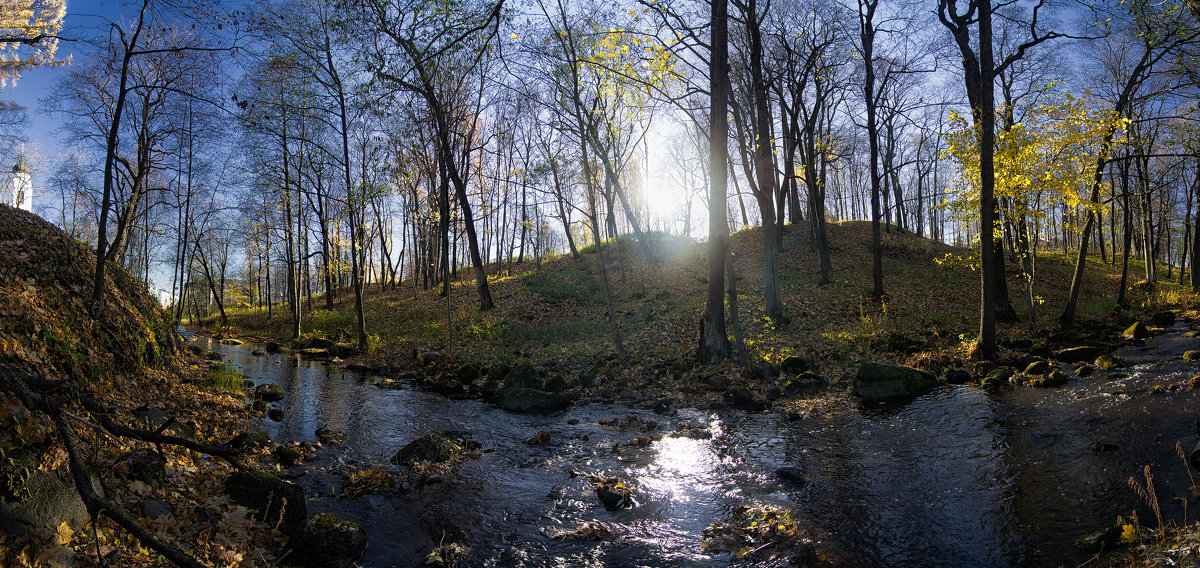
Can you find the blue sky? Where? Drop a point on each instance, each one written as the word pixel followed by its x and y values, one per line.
pixel 84 18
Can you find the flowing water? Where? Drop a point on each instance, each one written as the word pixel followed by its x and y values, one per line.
pixel 958 477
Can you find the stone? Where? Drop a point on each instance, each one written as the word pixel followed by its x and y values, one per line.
pixel 33 498
pixel 530 401
pixel 1193 355
pixel 1136 331
pixel 208 515
pixel 498 371
pixel 268 393
pixel 145 465
pixel 288 456
pixel 958 376
pixel 327 541
pixel 1054 379
pixel 273 347
pixel 231 341
pixel 1000 375
pixel 429 358
pixel 247 440
pixel 431 448
pixel 1038 368
pixel 330 436
pixel 1164 318
pixel 1190 334
pixel 1100 540
pixel 1084 370
pixel 343 350
pixel 158 421
pixel 447 384
pixel 793 475
pixel 154 509
pixel 805 383
pixel 1041 350
pixel 877 382
pixel 317 353
pixel 275 415
pixel 555 383
pixel 1106 362
pixel 614 495
pixel 793 364
pixel 260 406
pixel 1066 337
pixel 1080 354
pixel 523 375
pixel 276 502
pixel 318 343
pixel 740 397
pixel 587 377
pixel 469 373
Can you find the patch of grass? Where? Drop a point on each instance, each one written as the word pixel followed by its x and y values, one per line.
pixel 331 322
pixel 573 285
pixel 226 378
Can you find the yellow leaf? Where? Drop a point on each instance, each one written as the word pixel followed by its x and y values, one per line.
pixel 63 534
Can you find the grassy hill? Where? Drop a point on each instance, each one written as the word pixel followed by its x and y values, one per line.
pixel 554 313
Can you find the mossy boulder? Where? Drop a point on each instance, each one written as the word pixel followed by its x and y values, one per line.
pixel 247 440
pixel 343 350
pixel 793 364
pixel 430 448
pixel 145 465
pixel 555 383
pixel 317 353
pixel 288 456
pixel 268 393
pixel 159 421
pixel 530 401
pixel 876 382
pixel 1000 374
pixel 805 383
pixel 326 541
pixel 1163 318
pixel 1067 337
pixel 740 397
pixel 273 347
pixel 1106 362
pixel 469 373
pixel 231 341
pixel 1054 379
pixel 1081 354
pixel 274 500
pixel 33 498
pixel 523 375
pixel 1136 331
pixel 1193 355
pixel 958 376
pixel 1038 368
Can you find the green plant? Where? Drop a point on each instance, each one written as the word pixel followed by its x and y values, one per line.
pixel 488 330
pixel 226 378
pixel 330 322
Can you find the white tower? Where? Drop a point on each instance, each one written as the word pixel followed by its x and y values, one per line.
pixel 17 190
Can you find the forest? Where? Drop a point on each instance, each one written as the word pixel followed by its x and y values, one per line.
pixel 735 282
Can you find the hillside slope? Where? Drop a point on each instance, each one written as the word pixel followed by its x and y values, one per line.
pixel 554 313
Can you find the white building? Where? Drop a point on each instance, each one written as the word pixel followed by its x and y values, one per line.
pixel 16 188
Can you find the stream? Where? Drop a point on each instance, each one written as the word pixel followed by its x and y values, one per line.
pixel 958 477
